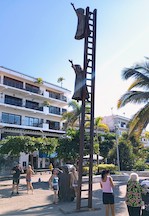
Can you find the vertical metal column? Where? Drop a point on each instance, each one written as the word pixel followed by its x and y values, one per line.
pixel 92 110
pixel 89 77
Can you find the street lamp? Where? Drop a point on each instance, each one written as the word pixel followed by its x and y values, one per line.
pixel 117 147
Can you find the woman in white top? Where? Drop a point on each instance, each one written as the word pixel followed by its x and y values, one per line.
pixel 107 185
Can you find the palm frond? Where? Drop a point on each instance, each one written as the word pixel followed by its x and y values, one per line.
pixel 139 121
pixel 136 97
pixel 137 72
pixel 139 84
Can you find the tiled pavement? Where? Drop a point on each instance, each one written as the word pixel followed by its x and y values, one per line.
pixel 40 203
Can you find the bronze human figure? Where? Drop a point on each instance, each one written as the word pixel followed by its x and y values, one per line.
pixel 82 29
pixel 79 83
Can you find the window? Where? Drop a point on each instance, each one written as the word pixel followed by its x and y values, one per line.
pixel 64 98
pixel 24 164
pixel 54 110
pixel 11 118
pixel 123 124
pixel 13 100
pixel 64 110
pixel 54 95
pixel 33 105
pixel 53 125
pixel 32 88
pixel 29 121
pixel 12 82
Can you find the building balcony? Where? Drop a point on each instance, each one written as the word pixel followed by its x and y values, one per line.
pixel 40 95
pixel 23 92
pixel 23 126
pixel 43 127
pixel 22 107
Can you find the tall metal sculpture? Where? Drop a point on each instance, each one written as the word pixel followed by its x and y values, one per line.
pixel 84 92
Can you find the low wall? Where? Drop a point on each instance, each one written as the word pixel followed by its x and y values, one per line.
pixel 124 176
pixel 140 173
pixel 96 179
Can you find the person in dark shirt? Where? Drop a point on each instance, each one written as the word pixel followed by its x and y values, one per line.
pixel 16 178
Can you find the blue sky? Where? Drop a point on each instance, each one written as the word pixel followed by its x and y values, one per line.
pixel 37 38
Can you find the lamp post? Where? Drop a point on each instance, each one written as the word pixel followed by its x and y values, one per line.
pixel 117 147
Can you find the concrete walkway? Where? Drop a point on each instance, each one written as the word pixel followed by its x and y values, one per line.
pixel 40 203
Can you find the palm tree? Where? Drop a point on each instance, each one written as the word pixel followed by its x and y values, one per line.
pixel 98 125
pixel 72 117
pixel 39 80
pixel 137 93
pixel 60 80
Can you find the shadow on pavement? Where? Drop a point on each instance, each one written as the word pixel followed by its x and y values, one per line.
pixel 38 210
pixel 41 185
pixel 5 191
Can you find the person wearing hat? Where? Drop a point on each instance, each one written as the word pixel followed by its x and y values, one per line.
pixel 16 171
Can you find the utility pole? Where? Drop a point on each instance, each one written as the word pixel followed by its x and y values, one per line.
pixel 117 147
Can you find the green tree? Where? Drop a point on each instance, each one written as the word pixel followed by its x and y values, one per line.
pixel 39 81
pixel 60 80
pixel 106 143
pixel 147 135
pixel 138 93
pixel 14 145
pixel 68 146
pixel 72 117
pixel 99 125
pixel 126 155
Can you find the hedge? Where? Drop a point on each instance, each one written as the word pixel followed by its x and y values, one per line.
pixel 98 168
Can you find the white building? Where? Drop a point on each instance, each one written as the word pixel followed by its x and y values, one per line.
pixel 24 110
pixel 116 121
pixel 119 124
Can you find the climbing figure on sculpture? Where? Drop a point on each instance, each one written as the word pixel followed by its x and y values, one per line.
pixel 79 83
pixel 82 26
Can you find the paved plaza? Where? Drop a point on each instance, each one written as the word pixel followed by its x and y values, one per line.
pixel 40 203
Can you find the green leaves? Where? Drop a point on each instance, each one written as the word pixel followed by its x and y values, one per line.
pixel 68 148
pixel 60 80
pixel 13 145
pixel 138 93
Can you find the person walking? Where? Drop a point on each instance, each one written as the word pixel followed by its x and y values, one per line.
pixel 53 183
pixel 16 171
pixel 107 186
pixel 29 173
pixel 134 195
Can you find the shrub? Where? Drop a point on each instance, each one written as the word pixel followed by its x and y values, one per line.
pixel 97 169
pixel 85 170
pixel 140 165
pixel 110 167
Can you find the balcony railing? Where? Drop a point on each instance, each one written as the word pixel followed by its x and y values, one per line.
pixel 61 98
pixel 34 108
pixel 36 91
pixel 17 123
pixel 25 106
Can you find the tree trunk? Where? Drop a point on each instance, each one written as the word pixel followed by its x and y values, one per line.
pixel 97 158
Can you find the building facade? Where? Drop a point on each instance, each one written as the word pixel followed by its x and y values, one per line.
pixel 119 124
pixel 32 107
